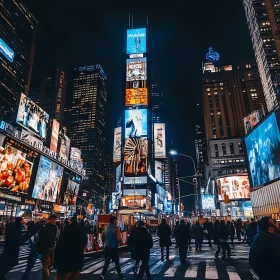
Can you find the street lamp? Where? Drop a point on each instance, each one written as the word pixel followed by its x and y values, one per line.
pixel 175 153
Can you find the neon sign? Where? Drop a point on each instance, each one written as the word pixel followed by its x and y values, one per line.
pixel 6 51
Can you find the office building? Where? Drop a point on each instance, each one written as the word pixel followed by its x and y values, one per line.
pixel 230 93
pixel 34 92
pixel 156 102
pixel 263 19
pixel 17 33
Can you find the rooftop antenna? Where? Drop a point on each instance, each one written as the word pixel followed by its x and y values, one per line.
pixel 129 19
pixel 147 21
pixel 132 21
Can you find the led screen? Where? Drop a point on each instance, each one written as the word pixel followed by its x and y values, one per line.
pixel 251 120
pixel 64 149
pixel 31 116
pixel 70 196
pixel 158 171
pixel 6 51
pixel 168 206
pixel 15 169
pixel 208 202
pixel 136 96
pixel 235 187
pixel 131 192
pixel 160 192
pixel 117 144
pixel 54 136
pixel 28 138
pixel 135 180
pixel 136 69
pixel 263 146
pixel 135 156
pixel 136 123
pixel 159 140
pixel 48 180
pixel 75 154
pixel 136 41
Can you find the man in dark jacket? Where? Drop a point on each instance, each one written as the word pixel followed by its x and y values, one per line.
pixel 252 230
pixel 176 225
pixel 69 251
pixel 164 232
pixel 13 240
pixel 46 244
pixel 143 243
pixel 209 228
pixel 182 233
pixel 223 234
pixel 198 233
pixel 264 254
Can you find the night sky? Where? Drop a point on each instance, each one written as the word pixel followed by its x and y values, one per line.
pixel 78 33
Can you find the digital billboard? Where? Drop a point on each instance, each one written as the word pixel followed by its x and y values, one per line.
pixel 70 196
pixel 136 69
pixel 32 117
pixel 136 123
pixel 136 41
pixel 158 171
pixel 263 146
pixel 117 144
pixel 159 140
pixel 75 154
pixel 251 120
pixel 64 149
pixel 28 138
pixel 235 187
pixel 135 180
pixel 136 96
pixel 138 201
pixel 135 157
pixel 168 206
pixel 15 169
pixel 131 192
pixel 54 136
pixel 160 192
pixel 6 51
pixel 48 180
pixel 208 202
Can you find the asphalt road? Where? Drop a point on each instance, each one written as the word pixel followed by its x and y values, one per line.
pixel 200 265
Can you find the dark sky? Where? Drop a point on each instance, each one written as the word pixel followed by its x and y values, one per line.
pixel 77 33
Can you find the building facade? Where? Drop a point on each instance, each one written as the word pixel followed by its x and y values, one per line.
pixel 17 33
pixel 156 100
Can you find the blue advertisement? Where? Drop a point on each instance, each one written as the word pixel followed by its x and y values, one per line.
pixel 208 202
pixel 136 41
pixel 263 151
pixel 6 51
pixel 168 206
pixel 136 123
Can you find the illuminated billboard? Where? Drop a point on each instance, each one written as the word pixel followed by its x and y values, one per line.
pixel 32 117
pixel 28 138
pixel 135 156
pixel 158 171
pixel 136 96
pixel 54 136
pixel 159 140
pixel 136 41
pixel 64 149
pixel 117 144
pixel 6 51
pixel 136 69
pixel 251 120
pixel 235 187
pixel 208 202
pixel 15 168
pixel 48 180
pixel 135 180
pixel 70 196
pixel 262 146
pixel 75 154
pixel 138 201
pixel 136 123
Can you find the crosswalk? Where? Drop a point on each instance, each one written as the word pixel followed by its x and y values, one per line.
pixel 199 265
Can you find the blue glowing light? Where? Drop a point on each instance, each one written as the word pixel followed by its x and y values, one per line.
pixel 6 51
pixel 212 56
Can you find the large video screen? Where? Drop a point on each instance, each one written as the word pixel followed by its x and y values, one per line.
pixel 208 202
pixel 64 150
pixel 136 96
pixel 136 123
pixel 48 180
pixel 136 69
pixel 159 140
pixel 70 196
pixel 235 187
pixel 135 156
pixel 54 136
pixel 117 148
pixel 251 120
pixel 263 152
pixel 136 41
pixel 158 171
pixel 15 169
pixel 32 117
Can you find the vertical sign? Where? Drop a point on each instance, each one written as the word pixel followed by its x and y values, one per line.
pixel 54 136
pixel 159 140
pixel 117 144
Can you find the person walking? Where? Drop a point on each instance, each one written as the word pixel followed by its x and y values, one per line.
pixel 111 238
pixel 175 227
pixel 69 252
pixel 238 227
pixel 182 233
pixel 143 244
pixel 13 240
pixel 46 245
pixel 190 236
pixel 216 231
pixel 231 229
pixel 223 234
pixel 198 232
pixel 252 230
pixel 264 254
pixel 131 246
pixel 164 233
pixel 209 228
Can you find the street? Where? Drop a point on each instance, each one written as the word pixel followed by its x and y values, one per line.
pixel 200 265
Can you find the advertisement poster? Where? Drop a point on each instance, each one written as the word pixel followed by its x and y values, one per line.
pixel 159 140
pixel 136 41
pixel 54 136
pixel 136 69
pixel 208 202
pixel 158 171
pixel 48 180
pixel 135 180
pixel 32 117
pixel 117 144
pixel 136 156
pixel 235 187
pixel 64 144
pixel 161 193
pixel 136 96
pixel 15 169
pixel 75 154
pixel 251 120
pixel 70 196
pixel 28 138
pixel 263 151
pixel 136 123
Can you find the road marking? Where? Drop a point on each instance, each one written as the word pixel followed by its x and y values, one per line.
pixel 211 270
pixel 192 269
pixel 171 271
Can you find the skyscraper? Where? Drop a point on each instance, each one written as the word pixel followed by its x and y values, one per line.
pixel 156 100
pixel 86 122
pixel 17 33
pixel 263 19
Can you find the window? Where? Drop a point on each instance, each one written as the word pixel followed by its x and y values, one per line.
pixel 216 150
pixel 240 148
pixel 231 149
pixel 224 149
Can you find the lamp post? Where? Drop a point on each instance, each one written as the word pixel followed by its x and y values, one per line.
pixel 175 153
